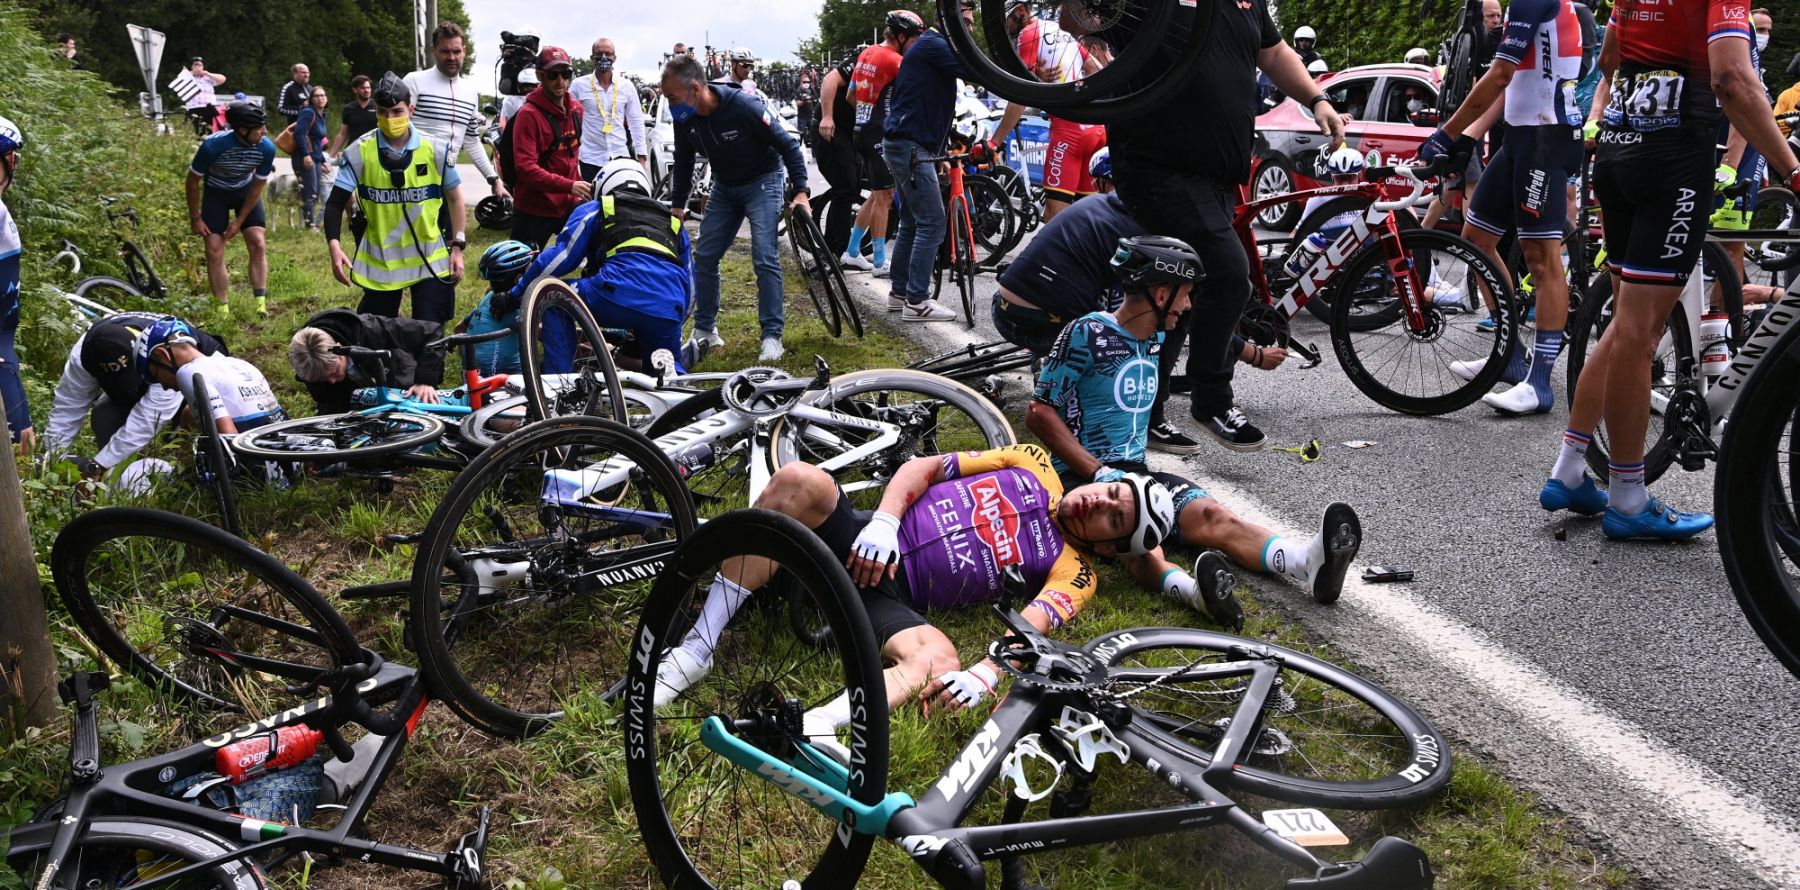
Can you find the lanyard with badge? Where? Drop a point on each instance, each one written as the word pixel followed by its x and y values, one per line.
pixel 607 115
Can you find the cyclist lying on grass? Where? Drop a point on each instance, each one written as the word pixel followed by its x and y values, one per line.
pixel 945 531
pixel 1092 408
pixel 333 379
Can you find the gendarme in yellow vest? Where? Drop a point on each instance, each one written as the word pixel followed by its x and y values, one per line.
pixel 404 243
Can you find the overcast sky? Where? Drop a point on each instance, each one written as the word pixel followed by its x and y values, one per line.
pixel 644 29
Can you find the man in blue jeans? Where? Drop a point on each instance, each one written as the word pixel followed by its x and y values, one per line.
pixel 923 101
pixel 747 150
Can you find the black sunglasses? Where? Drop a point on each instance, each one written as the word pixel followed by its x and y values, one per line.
pixel 560 74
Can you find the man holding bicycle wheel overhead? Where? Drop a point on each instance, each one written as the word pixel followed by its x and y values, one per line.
pixel 1179 170
pixel 947 530
pixel 1670 69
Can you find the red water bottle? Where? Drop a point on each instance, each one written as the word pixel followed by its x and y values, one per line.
pixel 274 750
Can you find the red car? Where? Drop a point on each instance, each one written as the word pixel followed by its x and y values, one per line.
pixel 1374 101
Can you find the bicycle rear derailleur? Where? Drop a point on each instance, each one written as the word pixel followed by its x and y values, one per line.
pixel 468 859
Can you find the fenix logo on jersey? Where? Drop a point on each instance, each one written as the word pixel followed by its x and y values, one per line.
pixel 996 521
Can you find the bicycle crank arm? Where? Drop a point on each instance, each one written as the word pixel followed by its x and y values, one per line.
pixel 1306 351
pixel 822 794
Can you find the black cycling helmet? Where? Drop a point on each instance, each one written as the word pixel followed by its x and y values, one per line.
pixel 1155 259
pixel 905 22
pixel 494 212
pixel 245 116
pixel 391 91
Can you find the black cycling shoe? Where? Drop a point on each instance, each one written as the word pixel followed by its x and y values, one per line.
pixel 1342 532
pixel 1233 430
pixel 1166 438
pixel 1216 582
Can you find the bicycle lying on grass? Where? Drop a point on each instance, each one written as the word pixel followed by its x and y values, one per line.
pixel 731 792
pixel 211 620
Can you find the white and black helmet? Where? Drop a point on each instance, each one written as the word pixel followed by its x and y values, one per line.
pixel 1155 514
pixel 621 173
pixel 743 54
pixel 1346 161
pixel 1305 32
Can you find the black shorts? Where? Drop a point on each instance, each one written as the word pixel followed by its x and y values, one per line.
pixel 889 602
pixel 872 170
pixel 1658 194
pixel 218 206
pixel 1524 185
pixel 1184 491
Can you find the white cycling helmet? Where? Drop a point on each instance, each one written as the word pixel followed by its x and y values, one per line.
pixel 743 54
pixel 1418 55
pixel 1346 161
pixel 1155 514
pixel 11 137
pixel 621 173
pixel 1317 66
pixel 1100 165
pixel 1305 32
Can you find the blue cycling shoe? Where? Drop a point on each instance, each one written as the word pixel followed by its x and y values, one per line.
pixel 1587 498
pixel 1656 523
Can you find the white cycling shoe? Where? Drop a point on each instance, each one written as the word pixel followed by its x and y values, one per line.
pixel 679 670
pixel 1468 370
pixel 1521 399
pixel 855 261
pixel 772 350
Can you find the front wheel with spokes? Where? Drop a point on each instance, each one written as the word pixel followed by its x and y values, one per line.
pixel 197 612
pixel 1324 736
pixel 533 567
pixel 564 357
pixel 708 822
pixel 339 437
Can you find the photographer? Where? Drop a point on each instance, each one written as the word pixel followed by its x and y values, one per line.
pixel 445 106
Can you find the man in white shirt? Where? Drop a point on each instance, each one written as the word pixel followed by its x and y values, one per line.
pixel 445 105
pixel 613 126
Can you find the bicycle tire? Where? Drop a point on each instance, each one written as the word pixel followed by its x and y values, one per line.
pixel 1459 75
pixel 976 361
pixel 216 458
pixel 226 594
pixel 508 658
pixel 1764 263
pixel 962 259
pixel 984 426
pixel 139 271
pixel 107 291
pixel 1387 737
pixel 996 227
pixel 390 432
pixel 554 295
pixel 492 422
pixel 1320 304
pixel 683 849
pixel 809 256
pixel 1359 352
pixel 145 848
pixel 1756 515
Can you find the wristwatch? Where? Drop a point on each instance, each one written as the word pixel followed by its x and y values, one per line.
pixel 491 180
pixel 459 240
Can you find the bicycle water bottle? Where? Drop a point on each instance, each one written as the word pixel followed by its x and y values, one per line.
pixel 267 752
pixel 1302 259
pixel 1715 351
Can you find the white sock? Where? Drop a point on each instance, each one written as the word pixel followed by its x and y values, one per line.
pixel 1293 557
pixel 820 727
pixel 834 713
pixel 1181 586
pixel 722 601
pixel 1571 461
pixel 1625 490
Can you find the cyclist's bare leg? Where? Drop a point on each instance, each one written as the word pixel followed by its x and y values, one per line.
pixel 880 203
pixel 1639 313
pixel 800 490
pixel 1053 206
pixel 216 276
pixel 1550 281
pixel 1591 387
pixel 915 656
pixel 257 245
pixel 1490 245
pixel 1207 523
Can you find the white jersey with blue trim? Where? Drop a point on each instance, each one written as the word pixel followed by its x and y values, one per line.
pixel 1543 39
pixel 9 233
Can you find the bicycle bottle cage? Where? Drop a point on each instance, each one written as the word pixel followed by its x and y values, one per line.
pixel 1087 737
pixel 1012 768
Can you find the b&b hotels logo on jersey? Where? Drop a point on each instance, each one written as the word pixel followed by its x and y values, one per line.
pixel 996 521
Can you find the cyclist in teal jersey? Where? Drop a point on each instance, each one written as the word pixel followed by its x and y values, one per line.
pixel 1092 410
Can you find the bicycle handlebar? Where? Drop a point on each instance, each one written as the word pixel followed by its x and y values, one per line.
pixel 360 352
pixel 1415 172
pixel 460 339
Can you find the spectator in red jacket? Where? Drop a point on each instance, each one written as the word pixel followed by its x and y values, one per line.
pixel 546 145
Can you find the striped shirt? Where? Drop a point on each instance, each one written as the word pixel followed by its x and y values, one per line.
pixel 227 163
pixel 446 111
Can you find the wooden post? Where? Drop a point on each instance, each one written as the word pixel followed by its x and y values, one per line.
pixel 27 661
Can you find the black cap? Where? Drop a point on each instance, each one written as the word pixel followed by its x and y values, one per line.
pixel 391 91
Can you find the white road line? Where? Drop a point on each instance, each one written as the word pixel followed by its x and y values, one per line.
pixel 1725 816
pixel 1729 818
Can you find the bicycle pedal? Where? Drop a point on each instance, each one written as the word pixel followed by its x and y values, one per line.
pixel 468 859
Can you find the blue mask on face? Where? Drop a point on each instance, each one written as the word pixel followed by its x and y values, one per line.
pixel 681 112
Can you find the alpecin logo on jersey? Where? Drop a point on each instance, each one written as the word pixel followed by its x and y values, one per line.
pixel 997 521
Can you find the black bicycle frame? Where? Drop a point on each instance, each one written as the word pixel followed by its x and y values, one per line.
pixel 133 789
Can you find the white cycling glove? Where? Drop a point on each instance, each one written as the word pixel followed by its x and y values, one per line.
pixel 1108 474
pixel 880 539
pixel 971 686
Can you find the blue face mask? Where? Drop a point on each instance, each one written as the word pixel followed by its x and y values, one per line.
pixel 681 112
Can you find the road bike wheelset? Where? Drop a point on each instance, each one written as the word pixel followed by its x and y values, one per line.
pixel 532 569
pixel 824 278
pixel 995 222
pixel 129 851
pixel 1432 302
pixel 1371 309
pixel 197 612
pixel 1155 44
pixel 1754 493
pixel 331 438
pixel 212 458
pixel 977 361
pixel 564 357
pixel 709 820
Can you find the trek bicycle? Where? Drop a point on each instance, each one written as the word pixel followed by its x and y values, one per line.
pixel 570 519
pixel 212 621
pixel 730 790
pixel 1403 299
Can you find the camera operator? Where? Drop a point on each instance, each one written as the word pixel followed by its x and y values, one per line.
pixel 445 103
